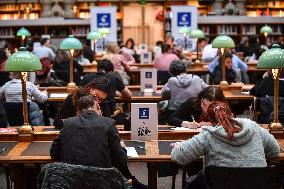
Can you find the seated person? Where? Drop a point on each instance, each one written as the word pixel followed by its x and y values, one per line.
pixel 105 68
pixel 209 53
pixel 229 142
pixel 189 114
pixel 3 117
pixel 94 139
pixel 254 58
pixel 99 87
pixel 237 65
pixel 12 92
pixel 231 74
pixel 180 87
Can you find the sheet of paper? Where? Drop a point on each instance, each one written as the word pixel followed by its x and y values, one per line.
pixel 131 152
pixel 58 95
pixel 180 129
pixel 245 92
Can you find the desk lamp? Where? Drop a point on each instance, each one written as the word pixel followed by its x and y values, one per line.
pixel 23 61
pixel 23 32
pixel 185 31
pixel 265 30
pixel 104 32
pixel 198 34
pixel 94 35
pixel 273 59
pixel 221 42
pixel 71 43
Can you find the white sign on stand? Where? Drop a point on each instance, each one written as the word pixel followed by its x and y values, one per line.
pixel 144 121
pixel 148 80
pixel 146 57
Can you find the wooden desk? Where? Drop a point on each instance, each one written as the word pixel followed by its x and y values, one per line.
pixel 19 153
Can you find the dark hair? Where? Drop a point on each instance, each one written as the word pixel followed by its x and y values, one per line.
pixel 212 93
pixel 165 47
pixel 3 55
pixel 82 99
pixel 43 40
pixel 227 55
pixel 159 43
pixel 131 41
pixel 177 67
pixel 61 56
pixel 220 113
pixel 258 52
pixel 100 83
pixel 105 65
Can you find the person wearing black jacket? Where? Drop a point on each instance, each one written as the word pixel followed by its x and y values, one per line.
pixel 101 145
pixel 105 69
pixel 190 113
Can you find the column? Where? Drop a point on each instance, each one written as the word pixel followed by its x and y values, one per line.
pixel 68 8
pixel 217 7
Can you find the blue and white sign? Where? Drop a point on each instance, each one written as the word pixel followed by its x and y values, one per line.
pixel 184 19
pixel 103 20
pixel 104 17
pixel 148 80
pixel 144 121
pixel 148 75
pixel 143 113
pixel 146 57
pixel 184 16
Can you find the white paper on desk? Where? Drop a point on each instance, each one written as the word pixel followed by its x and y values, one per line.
pixel 180 129
pixel 245 92
pixel 131 152
pixel 58 95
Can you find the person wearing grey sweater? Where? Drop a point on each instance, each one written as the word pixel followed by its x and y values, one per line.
pixel 245 144
pixel 181 86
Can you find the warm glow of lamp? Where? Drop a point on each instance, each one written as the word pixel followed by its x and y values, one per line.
pixel 185 31
pixel 273 59
pixel 198 34
pixel 265 30
pixel 71 43
pixel 221 42
pixel 23 32
pixel 23 61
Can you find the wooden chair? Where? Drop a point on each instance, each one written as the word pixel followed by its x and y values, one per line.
pixel 243 178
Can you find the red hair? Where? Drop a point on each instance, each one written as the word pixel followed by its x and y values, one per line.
pixel 220 113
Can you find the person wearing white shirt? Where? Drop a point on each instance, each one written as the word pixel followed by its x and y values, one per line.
pixel 44 50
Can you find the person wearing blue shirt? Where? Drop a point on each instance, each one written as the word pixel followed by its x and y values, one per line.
pixel 237 65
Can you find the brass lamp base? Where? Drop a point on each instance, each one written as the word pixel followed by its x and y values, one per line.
pixel 198 64
pixel 71 87
pixel 224 85
pixel 276 129
pixel 25 133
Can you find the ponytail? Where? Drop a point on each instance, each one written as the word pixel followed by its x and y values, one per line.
pixel 220 113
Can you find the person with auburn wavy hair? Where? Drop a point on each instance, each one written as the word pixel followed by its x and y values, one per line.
pixel 228 142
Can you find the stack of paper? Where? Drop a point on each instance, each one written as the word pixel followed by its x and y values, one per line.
pixel 131 152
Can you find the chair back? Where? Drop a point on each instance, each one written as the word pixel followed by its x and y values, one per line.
pixel 14 111
pixel 243 178
pixel 63 175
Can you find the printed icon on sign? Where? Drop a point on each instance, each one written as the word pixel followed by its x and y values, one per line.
pixel 146 55
pixel 143 131
pixel 103 18
pixel 148 75
pixel 184 17
pixel 143 113
pixel 148 86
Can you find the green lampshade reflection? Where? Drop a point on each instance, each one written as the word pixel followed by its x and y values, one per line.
pixel 23 32
pixel 272 58
pixel 93 35
pixel 197 34
pixel 265 29
pixel 223 41
pixel 71 43
pixel 184 30
pixel 22 61
pixel 104 31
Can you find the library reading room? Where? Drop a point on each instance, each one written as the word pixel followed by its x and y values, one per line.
pixel 141 94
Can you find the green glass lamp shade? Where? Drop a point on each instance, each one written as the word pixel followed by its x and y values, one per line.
pixel 70 43
pixel 23 32
pixel 197 34
pixel 272 58
pixel 265 29
pixel 184 30
pixel 22 61
pixel 104 31
pixel 94 35
pixel 223 41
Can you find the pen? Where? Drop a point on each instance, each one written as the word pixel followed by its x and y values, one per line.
pixel 192 117
pixel 141 147
pixel 3 149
